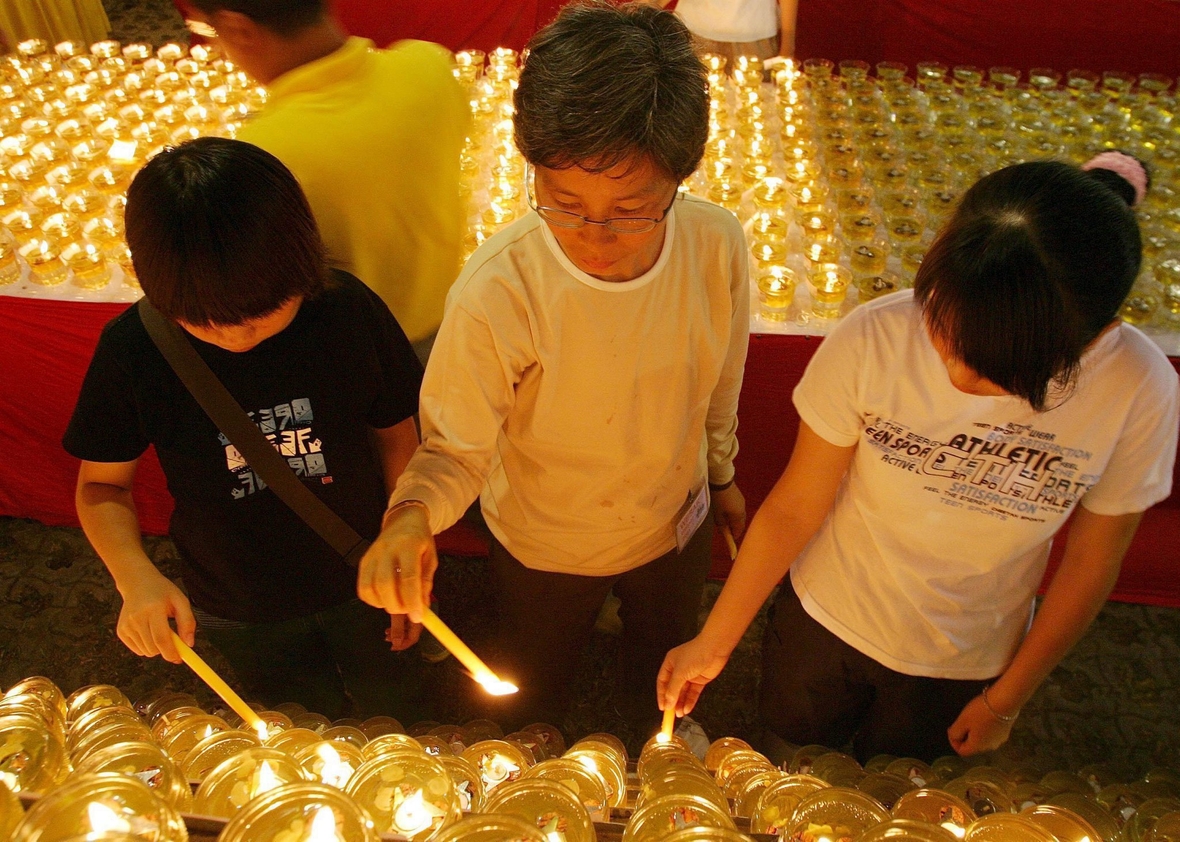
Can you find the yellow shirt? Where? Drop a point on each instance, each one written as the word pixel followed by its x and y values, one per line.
pixel 374 137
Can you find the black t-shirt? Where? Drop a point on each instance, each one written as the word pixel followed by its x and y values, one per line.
pixel 343 365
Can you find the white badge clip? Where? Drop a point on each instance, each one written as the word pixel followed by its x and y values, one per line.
pixel 691 515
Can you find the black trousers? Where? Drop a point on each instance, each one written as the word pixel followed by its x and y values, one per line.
pixel 546 619
pixel 335 662
pixel 816 689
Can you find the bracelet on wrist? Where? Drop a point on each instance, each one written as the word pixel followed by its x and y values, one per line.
pixel 720 486
pixel 397 507
pixel 987 703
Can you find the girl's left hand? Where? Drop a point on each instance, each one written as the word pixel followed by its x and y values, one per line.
pixel 977 730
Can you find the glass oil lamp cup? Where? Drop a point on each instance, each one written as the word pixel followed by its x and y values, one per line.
pixel 726 193
pixel 808 197
pixel 406 793
pixel 905 230
pixel 301 812
pixel 87 265
pixel 823 251
pixel 776 293
pixel 145 762
pixel 815 226
pixel 870 258
pixel 874 286
pixel 91 806
pixel 330 762
pixel 860 226
pixel 9 267
pixel 846 175
pixel 770 194
pixel 768 254
pixel 768 227
pixel 1139 308
pixel 44 260
pixel 911 259
pixel 829 286
pixel 855 199
pixel 243 777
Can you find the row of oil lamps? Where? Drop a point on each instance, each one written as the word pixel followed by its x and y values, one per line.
pixel 105 769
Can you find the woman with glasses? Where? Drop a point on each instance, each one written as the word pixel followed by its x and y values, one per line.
pixel 586 376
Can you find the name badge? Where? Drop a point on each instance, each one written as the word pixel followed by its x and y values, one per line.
pixel 692 514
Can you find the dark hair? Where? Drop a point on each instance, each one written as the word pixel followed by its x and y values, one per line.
pixel 1031 268
pixel 220 233
pixel 605 84
pixel 283 17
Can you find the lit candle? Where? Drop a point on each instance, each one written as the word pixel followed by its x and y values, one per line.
pixel 479 670
pixel 668 724
pixel 218 686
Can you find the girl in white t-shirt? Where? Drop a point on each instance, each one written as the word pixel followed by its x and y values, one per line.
pixel 946 435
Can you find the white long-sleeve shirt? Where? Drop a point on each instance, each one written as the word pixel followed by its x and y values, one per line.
pixel 586 410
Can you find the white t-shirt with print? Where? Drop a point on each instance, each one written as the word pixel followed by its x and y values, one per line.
pixel 939 536
pixel 736 21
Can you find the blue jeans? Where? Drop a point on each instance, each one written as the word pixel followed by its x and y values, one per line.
pixel 335 662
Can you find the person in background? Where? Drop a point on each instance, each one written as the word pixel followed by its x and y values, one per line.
pixel 731 28
pixel 947 434
pixel 587 372
pixel 374 137
pixel 224 245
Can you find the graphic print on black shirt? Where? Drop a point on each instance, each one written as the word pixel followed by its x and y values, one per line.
pixel 287 427
pixel 1011 471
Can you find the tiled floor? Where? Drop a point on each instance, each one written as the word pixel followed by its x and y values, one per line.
pixel 149 21
pixel 1115 699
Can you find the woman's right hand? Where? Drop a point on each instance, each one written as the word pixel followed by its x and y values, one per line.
pixel 397 571
pixel 686 671
pixel 149 599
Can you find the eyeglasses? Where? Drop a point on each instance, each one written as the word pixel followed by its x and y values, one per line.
pixel 568 219
pixel 199 27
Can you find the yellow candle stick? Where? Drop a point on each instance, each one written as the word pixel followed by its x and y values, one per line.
pixel 729 542
pixel 478 669
pixel 669 723
pixel 218 685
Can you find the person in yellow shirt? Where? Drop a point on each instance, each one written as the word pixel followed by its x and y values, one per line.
pixel 373 136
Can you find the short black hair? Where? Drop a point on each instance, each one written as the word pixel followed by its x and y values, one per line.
pixel 1032 267
pixel 283 17
pixel 220 233
pixel 605 84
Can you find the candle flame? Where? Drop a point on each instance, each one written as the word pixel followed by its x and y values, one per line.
pixel 103 819
pixel 496 686
pixel 267 780
pixel 323 826
pixel 335 771
pixel 414 814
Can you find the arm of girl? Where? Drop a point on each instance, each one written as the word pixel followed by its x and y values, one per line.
pixel 395 445
pixel 108 516
pixel 1093 555
pixel 790 516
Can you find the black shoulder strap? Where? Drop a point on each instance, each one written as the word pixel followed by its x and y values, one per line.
pixel 259 453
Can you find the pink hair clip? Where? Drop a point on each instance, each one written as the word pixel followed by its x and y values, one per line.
pixel 1125 165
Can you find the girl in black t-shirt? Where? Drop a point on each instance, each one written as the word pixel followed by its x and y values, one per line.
pixel 224 245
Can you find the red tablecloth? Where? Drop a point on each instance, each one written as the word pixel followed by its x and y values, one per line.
pixel 45 347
